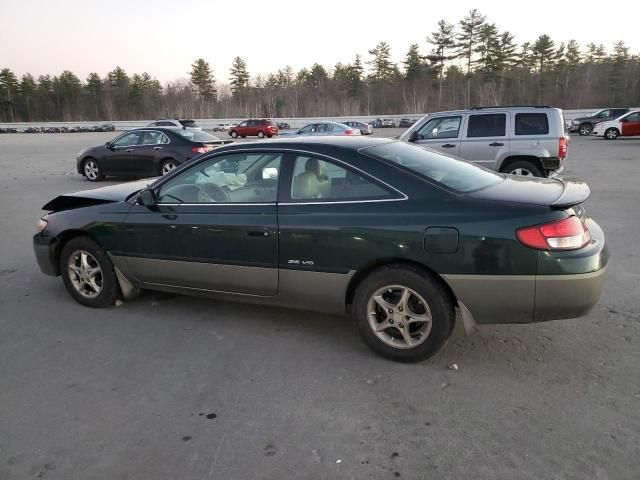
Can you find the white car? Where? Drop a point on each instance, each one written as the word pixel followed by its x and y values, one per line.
pixel 222 127
pixel 627 125
pixel 186 124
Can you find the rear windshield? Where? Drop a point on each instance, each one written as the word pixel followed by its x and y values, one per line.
pixel 271 123
pixel 197 136
pixel 455 174
pixel 189 123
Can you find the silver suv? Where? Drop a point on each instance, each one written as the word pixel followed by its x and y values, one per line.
pixel 527 141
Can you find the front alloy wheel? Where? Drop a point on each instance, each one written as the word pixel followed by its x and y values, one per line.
pixel 585 129
pixel 85 273
pixel 611 133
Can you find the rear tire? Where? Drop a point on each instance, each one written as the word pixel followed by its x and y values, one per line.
pixel 523 168
pixel 88 274
pixel 91 170
pixel 166 166
pixel 388 306
pixel 611 133
pixel 585 129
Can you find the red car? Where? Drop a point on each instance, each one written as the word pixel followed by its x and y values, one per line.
pixel 254 128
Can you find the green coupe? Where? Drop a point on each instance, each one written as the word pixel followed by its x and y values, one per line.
pixel 399 236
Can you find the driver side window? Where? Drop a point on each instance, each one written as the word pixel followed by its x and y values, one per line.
pixel 127 140
pixel 234 178
pixel 442 127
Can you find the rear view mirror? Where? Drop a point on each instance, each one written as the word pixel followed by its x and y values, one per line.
pixel 146 197
pixel 269 173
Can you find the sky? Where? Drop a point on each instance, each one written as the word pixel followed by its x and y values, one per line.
pixel 164 37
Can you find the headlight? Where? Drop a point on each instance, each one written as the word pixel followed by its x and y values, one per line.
pixel 41 225
pixel 575 122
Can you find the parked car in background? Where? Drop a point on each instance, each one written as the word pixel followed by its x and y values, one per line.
pixel 84 128
pixel 284 126
pixel 8 130
pixel 387 123
pixel 31 130
pixel 109 127
pixel 406 122
pixel 179 123
pixel 628 125
pixel 145 152
pixel 222 127
pixel 401 237
pixel 365 128
pixel 254 127
pixel 528 141
pixel 321 129
pixel 584 125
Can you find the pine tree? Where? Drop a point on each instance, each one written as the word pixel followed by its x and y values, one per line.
pixel 543 53
pixel 202 78
pixel 467 38
pixel 488 46
pixel 414 63
pixel 27 89
pixel 8 93
pixel 239 76
pixel 443 40
pixel 382 69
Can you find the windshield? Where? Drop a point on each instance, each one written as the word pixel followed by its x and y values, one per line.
pixel 197 136
pixel 456 174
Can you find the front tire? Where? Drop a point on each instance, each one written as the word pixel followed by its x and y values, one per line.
pixel 611 133
pixel 585 129
pixel 403 313
pixel 88 274
pixel 234 134
pixel 92 171
pixel 523 168
pixel 260 134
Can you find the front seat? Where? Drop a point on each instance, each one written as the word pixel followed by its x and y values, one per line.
pixel 306 184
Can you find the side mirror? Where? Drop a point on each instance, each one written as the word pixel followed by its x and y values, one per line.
pixel 108 146
pixel 414 136
pixel 146 197
pixel 269 173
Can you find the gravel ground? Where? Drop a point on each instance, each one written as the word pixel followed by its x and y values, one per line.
pixel 184 388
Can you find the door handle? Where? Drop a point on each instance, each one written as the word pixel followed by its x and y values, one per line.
pixel 157 148
pixel 496 144
pixel 448 145
pixel 129 150
pixel 258 233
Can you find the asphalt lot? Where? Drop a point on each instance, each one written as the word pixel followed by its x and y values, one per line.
pixel 171 387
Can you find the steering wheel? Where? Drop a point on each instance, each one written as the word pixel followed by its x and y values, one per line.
pixel 212 193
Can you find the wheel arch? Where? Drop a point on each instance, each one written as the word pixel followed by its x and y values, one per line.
pixel 62 239
pixel 516 158
pixel 369 268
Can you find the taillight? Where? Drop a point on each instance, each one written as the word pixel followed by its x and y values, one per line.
pixel 562 149
pixel 202 149
pixel 566 234
pixel 348 132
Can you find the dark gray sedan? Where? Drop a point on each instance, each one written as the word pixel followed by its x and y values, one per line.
pixel 145 152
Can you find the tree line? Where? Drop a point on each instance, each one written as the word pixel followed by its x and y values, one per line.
pixel 471 63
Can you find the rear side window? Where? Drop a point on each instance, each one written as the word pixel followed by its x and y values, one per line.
pixel 189 123
pixel 490 125
pixel 455 174
pixel 619 112
pixel 532 124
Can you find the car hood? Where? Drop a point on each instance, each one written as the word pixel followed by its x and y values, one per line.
pixel 555 193
pixel 97 196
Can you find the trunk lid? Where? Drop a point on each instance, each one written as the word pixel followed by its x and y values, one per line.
pixel 555 193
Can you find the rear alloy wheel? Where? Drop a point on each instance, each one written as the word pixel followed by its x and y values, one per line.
pixel 88 273
pixel 167 166
pixel 611 133
pixel 92 170
pixel 585 129
pixel 260 134
pixel 403 313
pixel 523 168
pixel 234 134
